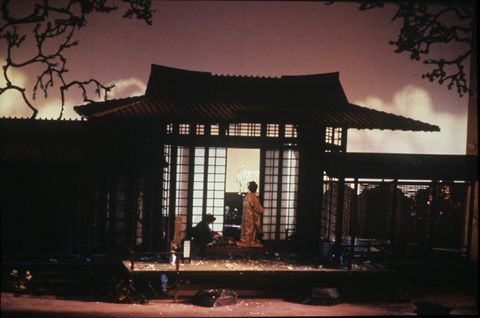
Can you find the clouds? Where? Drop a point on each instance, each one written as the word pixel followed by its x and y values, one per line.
pixel 123 88
pixel 11 102
pixel 128 88
pixel 13 105
pixel 264 39
pixel 415 103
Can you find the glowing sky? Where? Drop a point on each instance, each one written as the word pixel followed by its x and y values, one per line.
pixel 266 39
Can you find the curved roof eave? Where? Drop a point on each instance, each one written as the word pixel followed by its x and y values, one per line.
pixel 176 95
pixel 190 110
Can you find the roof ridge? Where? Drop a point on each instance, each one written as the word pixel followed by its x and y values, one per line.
pixel 245 76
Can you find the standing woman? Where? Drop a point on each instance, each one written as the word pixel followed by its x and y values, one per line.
pixel 251 225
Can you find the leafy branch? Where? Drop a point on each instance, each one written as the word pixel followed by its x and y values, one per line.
pixel 56 23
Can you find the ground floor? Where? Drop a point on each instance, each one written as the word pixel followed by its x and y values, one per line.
pixel 461 302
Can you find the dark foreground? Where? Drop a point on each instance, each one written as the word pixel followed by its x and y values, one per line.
pixel 81 287
pixel 56 306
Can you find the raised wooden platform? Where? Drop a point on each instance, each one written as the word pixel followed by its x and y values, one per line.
pixel 241 266
pixel 254 272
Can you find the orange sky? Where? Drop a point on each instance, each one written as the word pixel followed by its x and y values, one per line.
pixel 266 39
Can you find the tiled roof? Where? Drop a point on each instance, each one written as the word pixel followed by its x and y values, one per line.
pixel 197 97
pixel 78 142
pixel 407 166
pixel 51 141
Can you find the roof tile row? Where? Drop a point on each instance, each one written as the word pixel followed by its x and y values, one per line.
pixel 185 96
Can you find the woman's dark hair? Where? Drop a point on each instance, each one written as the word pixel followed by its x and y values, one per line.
pixel 210 218
pixel 252 186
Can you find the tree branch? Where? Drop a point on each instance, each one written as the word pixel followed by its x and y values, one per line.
pixel 22 91
pixel 421 29
pixel 69 18
pixel 83 86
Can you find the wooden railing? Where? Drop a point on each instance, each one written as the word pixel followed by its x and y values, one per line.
pixel 369 253
pixel 133 253
pixel 177 264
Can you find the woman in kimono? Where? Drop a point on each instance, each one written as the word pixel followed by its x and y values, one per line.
pixel 251 224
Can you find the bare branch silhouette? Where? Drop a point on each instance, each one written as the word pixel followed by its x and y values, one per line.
pixel 56 23
pixel 423 27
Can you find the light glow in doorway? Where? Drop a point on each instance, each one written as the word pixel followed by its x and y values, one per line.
pixel 243 166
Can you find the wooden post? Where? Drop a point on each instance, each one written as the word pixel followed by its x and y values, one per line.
pixel 177 281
